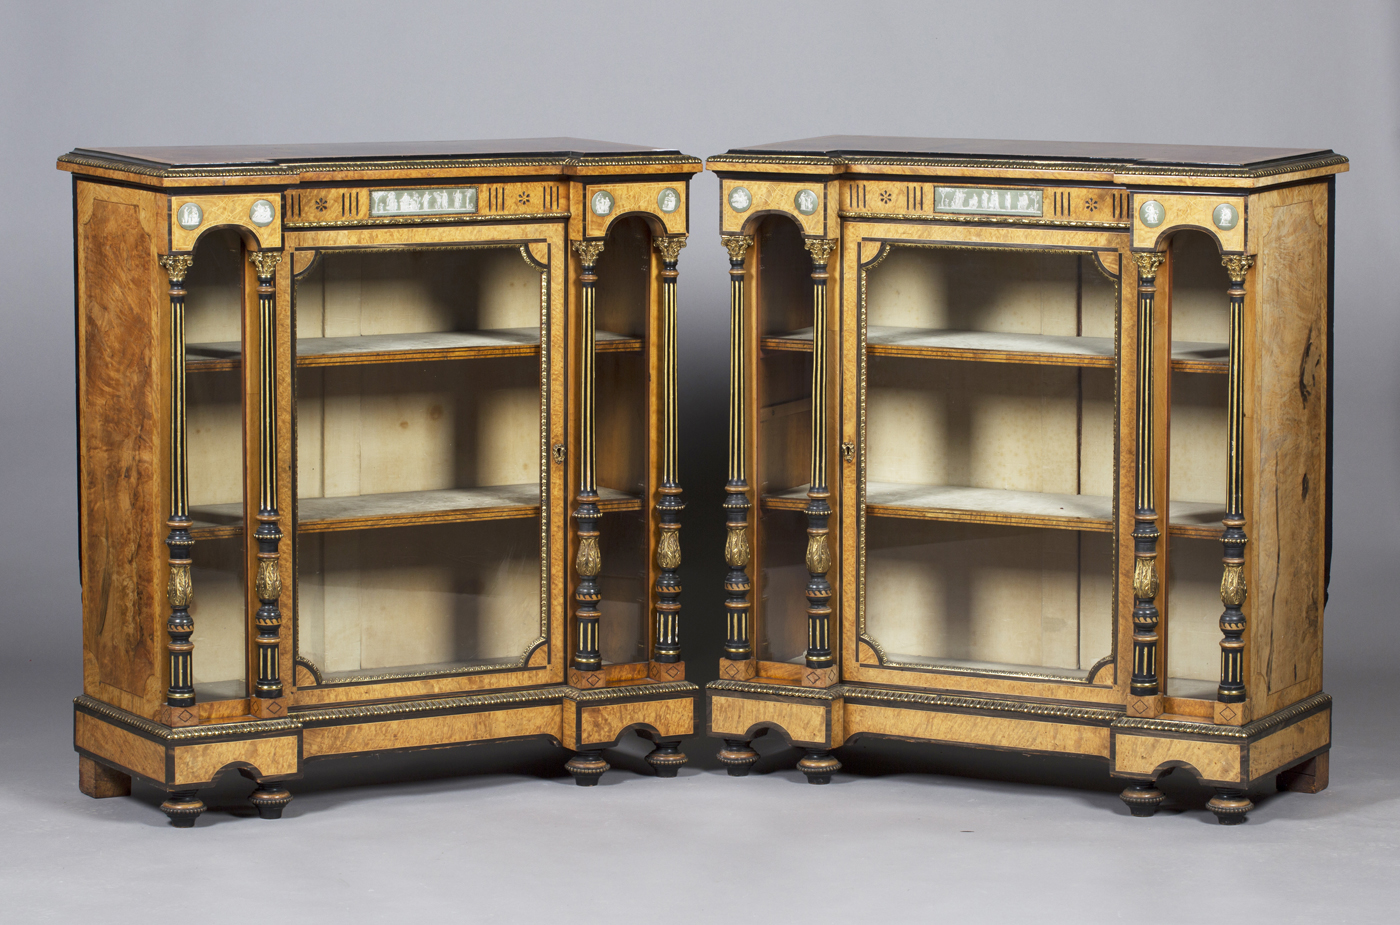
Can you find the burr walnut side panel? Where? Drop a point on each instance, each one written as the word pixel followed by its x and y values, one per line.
pixel 1287 504
pixel 121 477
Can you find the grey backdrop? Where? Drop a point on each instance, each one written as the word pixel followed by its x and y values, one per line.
pixel 702 78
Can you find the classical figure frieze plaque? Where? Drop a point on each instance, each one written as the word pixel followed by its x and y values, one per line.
pixel 965 200
pixel 389 202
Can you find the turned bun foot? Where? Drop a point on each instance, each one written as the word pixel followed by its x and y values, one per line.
pixel 818 765
pixel 270 800
pixel 183 808
pixel 587 767
pixel 737 757
pixel 1143 797
pixel 1229 806
pixel 666 759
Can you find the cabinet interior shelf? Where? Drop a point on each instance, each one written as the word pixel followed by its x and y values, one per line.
pixel 960 504
pixel 992 347
pixel 403 508
pixel 402 348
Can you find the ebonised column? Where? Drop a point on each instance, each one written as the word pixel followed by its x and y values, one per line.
pixel 1232 582
pixel 738 643
pixel 818 510
pixel 1145 531
pixel 180 590
pixel 589 562
pixel 269 532
pixel 667 647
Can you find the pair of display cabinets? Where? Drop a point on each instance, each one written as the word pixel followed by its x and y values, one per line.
pixel 342 488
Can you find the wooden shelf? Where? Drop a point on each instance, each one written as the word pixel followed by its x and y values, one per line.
pixel 990 347
pixel 402 508
pixel 989 505
pixel 1190 357
pixel 1196 518
pixel 960 504
pixel 402 348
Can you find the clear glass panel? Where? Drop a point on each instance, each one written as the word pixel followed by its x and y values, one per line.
pixel 1193 617
pixel 429 598
pixel 622 628
pixel 989 460
pixel 1200 325
pixel 623 300
pixel 214 425
pixel 418 441
pixel 784 446
pixel 978 596
pixel 782 586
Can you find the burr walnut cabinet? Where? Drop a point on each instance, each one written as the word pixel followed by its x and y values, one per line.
pixel 340 485
pixel 1029 450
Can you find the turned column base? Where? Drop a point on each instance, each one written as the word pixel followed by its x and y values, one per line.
pixel 270 800
pixel 1143 798
pixel 587 767
pixel 1229 806
pixel 183 807
pixel 666 758
pixel 818 764
pixel 737 757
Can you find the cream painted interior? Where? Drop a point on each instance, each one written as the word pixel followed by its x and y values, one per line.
pixel 418 598
pixel 220 616
pixel 990 425
pixel 1193 617
pixel 973 595
pixel 214 289
pixel 1199 437
pixel 1200 307
pixel 417 291
pixel 397 427
pixel 1003 291
pixel 214 436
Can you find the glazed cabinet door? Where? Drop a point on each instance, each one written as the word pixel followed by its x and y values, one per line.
pixel 427 391
pixel 989 505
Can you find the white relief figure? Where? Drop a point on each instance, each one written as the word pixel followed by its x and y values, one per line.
pixel 1023 203
pixel 669 200
pixel 959 198
pixel 1225 217
pixel 1150 213
pixel 806 202
pixel 190 215
pixel 410 203
pixel 739 199
pixel 261 213
pixel 391 202
pixel 457 200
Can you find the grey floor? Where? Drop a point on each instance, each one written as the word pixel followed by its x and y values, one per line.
pixel 500 833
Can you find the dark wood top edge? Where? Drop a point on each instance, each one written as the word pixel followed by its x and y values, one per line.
pixel 284 160
pixel 1191 160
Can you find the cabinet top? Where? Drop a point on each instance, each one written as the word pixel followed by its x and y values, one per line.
pixel 1103 161
pixel 192 164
